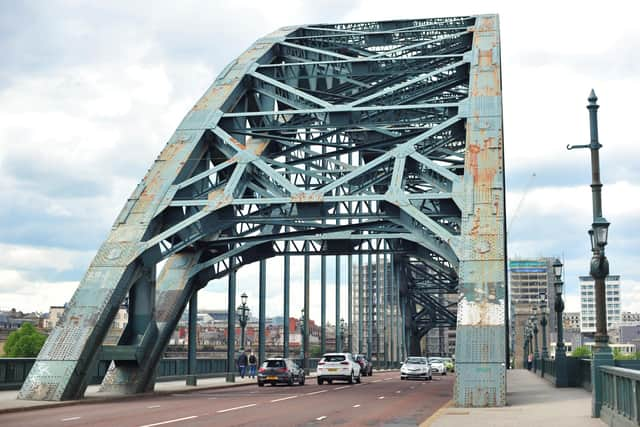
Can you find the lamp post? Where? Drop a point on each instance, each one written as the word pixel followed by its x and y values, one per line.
pixel 534 326
pixel 599 266
pixel 525 348
pixel 543 323
pixel 341 341
pixel 562 378
pixel 243 316
pixel 302 333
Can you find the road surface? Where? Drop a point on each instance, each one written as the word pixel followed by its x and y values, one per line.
pixel 382 399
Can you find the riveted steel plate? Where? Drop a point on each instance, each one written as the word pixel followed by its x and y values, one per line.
pixel 484 384
pixel 484 344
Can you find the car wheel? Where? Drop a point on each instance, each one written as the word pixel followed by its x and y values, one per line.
pixel 359 378
pixel 444 373
pixel 352 378
pixel 430 378
pixel 290 382
pixel 260 384
pixel 330 381
pixel 320 381
pixel 301 380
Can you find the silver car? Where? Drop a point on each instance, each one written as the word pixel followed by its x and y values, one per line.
pixel 415 367
pixel 437 365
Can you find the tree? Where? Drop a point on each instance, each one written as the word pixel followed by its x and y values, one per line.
pixel 25 342
pixel 581 352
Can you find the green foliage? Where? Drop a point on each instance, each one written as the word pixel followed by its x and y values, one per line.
pixel 582 352
pixel 315 351
pixel 618 355
pixel 25 342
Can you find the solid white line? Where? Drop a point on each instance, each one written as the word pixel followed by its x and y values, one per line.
pixel 170 421
pixel 237 407
pixel 284 398
pixel 153 406
pixel 321 418
pixel 344 386
pixel 70 419
pixel 317 392
pixel 356 406
pixel 381 397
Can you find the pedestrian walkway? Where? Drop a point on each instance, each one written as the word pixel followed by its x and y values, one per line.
pixel 531 402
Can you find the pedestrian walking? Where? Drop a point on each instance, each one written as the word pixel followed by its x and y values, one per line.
pixel 242 363
pixel 253 363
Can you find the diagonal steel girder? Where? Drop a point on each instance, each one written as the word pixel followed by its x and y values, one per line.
pixel 363 138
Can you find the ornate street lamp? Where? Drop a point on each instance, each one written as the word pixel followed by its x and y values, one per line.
pixel 543 322
pixel 302 355
pixel 562 379
pixel 243 316
pixel 599 268
pixel 534 329
pixel 342 328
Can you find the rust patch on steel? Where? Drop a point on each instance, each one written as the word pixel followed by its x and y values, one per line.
pixel 304 196
pixel 217 92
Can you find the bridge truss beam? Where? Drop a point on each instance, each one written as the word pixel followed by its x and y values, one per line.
pixel 348 139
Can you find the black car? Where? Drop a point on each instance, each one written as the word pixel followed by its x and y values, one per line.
pixel 366 367
pixel 280 370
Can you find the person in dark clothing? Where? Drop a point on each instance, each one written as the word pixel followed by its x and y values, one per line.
pixel 242 363
pixel 253 363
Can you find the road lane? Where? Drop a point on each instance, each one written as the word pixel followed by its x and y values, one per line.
pixel 380 399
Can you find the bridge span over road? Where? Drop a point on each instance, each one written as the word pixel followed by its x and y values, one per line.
pixel 355 140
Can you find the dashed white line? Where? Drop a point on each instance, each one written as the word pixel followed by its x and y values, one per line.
pixel 381 397
pixel 387 379
pixel 344 386
pixel 283 398
pixel 377 381
pixel 317 392
pixel 412 387
pixel 70 419
pixel 356 406
pixel 398 391
pixel 236 408
pixel 321 418
pixel 153 406
pixel 211 398
pixel 170 421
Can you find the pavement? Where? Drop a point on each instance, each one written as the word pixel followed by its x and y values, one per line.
pixel 531 402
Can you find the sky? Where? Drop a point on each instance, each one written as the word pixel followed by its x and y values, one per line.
pixel 91 91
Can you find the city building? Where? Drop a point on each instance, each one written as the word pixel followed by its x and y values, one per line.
pixel 530 282
pixel 363 289
pixel 571 321
pixel 588 305
pixel 628 318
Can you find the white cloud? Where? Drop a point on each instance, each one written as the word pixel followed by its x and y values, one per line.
pixel 19 292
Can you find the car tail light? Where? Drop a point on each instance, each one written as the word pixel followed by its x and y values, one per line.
pixel 344 363
pixel 261 370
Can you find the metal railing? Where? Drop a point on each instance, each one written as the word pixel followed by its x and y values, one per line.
pixel 620 397
pixel 13 371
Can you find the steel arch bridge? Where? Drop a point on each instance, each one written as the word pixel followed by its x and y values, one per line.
pixel 337 139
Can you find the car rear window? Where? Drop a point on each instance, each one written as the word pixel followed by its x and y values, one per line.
pixel 334 358
pixel 435 360
pixel 274 364
pixel 416 361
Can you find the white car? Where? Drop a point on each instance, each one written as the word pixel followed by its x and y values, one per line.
pixel 437 365
pixel 415 367
pixel 338 366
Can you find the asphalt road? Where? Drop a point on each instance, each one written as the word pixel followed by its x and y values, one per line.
pixel 382 399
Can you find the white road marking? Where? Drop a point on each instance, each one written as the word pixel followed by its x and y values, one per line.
pixel 321 418
pixel 412 387
pixel 211 398
pixel 356 406
pixel 398 391
pixel 377 381
pixel 284 398
pixel 170 421
pixel 236 408
pixel 387 379
pixel 317 392
pixel 70 419
pixel 344 386
pixel 153 406
pixel 381 397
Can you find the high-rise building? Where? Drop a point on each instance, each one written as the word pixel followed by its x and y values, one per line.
pixel 571 321
pixel 588 303
pixel 530 280
pixel 363 289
